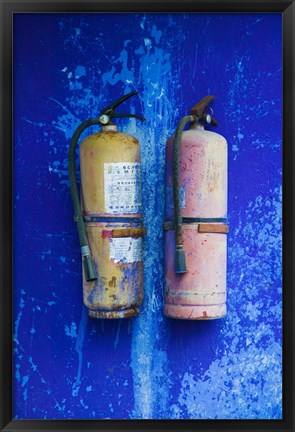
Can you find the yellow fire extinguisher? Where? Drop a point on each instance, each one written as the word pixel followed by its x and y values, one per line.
pixel 108 215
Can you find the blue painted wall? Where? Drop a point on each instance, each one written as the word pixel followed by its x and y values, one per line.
pixel 66 68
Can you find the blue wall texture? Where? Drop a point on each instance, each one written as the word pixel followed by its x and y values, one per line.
pixel 66 68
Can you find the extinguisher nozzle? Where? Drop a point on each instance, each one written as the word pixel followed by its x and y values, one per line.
pixel 89 269
pixel 180 265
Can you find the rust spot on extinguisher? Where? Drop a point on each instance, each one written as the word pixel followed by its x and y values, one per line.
pixel 204 314
pixel 112 282
pixel 106 234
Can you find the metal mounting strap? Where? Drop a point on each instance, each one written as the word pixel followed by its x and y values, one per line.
pixel 128 232
pixel 210 227
pixel 109 219
pixel 213 228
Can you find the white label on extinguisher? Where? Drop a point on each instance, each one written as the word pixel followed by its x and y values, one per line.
pixel 126 249
pixel 122 192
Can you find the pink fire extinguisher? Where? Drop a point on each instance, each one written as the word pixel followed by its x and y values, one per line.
pixel 196 219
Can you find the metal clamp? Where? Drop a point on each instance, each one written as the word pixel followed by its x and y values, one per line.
pixel 128 232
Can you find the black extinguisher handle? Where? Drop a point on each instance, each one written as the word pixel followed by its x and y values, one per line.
pixel 109 112
pixel 111 107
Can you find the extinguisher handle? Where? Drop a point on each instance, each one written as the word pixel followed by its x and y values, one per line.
pixel 111 112
pixel 199 110
pixel 118 102
pixel 118 115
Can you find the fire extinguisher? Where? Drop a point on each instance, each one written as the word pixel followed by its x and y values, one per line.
pixel 196 219
pixel 108 215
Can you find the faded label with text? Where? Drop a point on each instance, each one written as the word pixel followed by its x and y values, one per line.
pixel 126 249
pixel 122 187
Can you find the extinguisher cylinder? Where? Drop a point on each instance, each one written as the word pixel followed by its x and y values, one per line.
pixel 196 223
pixel 111 204
pixel 108 215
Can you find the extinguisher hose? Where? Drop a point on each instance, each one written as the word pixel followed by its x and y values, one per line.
pixel 180 264
pixel 88 264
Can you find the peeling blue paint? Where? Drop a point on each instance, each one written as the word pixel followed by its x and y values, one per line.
pixel 68 366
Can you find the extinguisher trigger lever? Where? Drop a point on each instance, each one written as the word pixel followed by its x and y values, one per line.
pixel 199 110
pixel 119 115
pixel 109 112
pixel 118 102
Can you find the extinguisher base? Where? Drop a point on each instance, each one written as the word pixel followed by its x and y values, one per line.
pixel 195 312
pixel 124 313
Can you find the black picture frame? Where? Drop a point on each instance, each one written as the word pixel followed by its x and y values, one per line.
pixel 8 8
